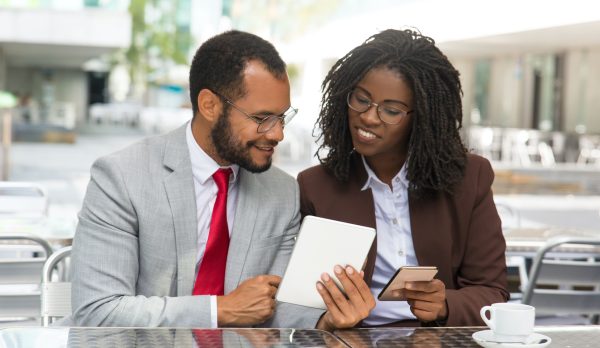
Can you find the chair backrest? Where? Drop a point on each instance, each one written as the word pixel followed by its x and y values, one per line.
pixel 56 296
pixel 577 281
pixel 20 275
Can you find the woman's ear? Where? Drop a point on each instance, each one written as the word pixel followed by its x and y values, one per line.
pixel 209 105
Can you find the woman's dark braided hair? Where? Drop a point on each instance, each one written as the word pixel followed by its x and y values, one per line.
pixel 436 155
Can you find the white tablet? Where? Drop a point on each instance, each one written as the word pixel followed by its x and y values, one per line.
pixel 322 244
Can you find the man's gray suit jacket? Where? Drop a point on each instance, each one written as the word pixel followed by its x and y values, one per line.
pixel 134 251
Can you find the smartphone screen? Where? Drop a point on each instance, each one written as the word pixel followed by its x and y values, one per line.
pixel 406 274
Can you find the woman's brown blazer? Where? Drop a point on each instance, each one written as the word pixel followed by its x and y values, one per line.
pixel 460 234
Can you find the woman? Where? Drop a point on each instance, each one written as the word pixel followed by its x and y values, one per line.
pixel 390 119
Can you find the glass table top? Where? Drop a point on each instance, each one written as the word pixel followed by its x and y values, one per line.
pixel 164 337
pixel 562 336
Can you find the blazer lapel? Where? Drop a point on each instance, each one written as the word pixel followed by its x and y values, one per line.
pixel 249 197
pixel 431 224
pixel 179 186
pixel 365 215
pixel 365 199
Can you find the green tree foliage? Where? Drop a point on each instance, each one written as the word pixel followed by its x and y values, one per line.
pixel 160 36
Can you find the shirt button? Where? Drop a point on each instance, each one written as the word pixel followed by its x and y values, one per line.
pixel 401 253
pixel 395 221
pixel 397 179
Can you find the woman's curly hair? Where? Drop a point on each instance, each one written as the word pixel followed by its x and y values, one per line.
pixel 436 155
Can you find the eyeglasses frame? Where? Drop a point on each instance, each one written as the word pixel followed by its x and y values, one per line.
pixel 284 119
pixel 371 103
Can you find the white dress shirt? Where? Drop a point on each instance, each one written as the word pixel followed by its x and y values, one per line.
pixel 394 242
pixel 203 167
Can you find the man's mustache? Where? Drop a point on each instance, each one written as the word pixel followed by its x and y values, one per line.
pixel 271 143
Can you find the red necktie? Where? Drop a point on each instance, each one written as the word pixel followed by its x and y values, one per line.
pixel 208 338
pixel 211 275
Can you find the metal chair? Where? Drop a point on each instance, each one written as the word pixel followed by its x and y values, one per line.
pixel 20 276
pixel 571 286
pixel 56 296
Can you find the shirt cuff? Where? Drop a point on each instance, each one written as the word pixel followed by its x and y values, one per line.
pixel 214 321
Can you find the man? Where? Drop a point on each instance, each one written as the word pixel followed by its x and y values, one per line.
pixel 194 228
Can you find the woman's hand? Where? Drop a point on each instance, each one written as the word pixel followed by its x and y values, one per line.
pixel 344 311
pixel 427 300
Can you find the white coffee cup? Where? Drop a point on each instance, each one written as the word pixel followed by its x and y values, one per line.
pixel 510 322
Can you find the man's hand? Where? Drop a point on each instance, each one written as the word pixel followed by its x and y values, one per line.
pixel 427 300
pixel 250 303
pixel 344 312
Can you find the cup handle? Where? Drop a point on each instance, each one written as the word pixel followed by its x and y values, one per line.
pixel 488 322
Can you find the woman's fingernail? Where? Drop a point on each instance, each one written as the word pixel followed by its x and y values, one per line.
pixel 325 277
pixel 349 270
pixel 337 269
pixel 319 286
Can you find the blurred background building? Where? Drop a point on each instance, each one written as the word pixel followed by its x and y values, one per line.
pixel 45 50
pixel 525 64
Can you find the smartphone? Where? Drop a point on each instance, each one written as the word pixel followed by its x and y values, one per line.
pixel 406 274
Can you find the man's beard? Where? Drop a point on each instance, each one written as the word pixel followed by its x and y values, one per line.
pixel 234 151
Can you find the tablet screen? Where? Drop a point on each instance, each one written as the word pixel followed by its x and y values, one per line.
pixel 322 244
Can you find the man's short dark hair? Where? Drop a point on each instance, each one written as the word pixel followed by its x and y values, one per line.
pixel 220 62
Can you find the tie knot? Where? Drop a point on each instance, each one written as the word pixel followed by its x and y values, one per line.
pixel 221 178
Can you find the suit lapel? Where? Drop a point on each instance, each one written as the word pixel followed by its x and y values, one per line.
pixel 249 197
pixel 179 186
pixel 365 213
pixel 431 225
pixel 367 218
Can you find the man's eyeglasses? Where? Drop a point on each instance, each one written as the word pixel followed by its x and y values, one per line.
pixel 388 111
pixel 265 122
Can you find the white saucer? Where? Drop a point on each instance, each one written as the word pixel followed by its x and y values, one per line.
pixel 485 339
